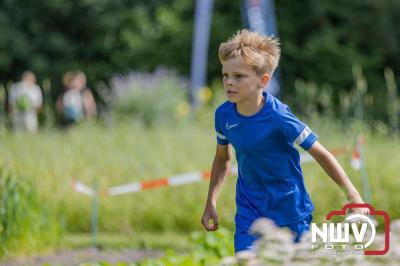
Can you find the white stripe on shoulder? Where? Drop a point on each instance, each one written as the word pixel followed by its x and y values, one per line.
pixel 221 136
pixel 303 135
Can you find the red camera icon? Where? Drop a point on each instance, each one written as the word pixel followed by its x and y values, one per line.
pixel 373 212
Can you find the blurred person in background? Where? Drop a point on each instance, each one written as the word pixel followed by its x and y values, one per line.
pixel 77 102
pixel 24 103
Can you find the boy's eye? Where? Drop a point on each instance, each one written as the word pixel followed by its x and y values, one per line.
pixel 238 76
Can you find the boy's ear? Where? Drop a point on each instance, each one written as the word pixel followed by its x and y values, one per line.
pixel 265 79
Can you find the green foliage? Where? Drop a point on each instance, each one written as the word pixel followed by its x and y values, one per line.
pixel 23 104
pixel 321 41
pixel 354 105
pixel 25 222
pixel 104 37
pixel 327 40
pixel 205 249
pixel 393 106
pixel 218 243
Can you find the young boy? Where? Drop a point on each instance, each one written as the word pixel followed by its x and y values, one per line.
pixel 263 132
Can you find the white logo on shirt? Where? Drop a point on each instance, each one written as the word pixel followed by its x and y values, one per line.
pixel 230 126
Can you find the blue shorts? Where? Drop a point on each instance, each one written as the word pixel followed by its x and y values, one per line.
pixel 243 239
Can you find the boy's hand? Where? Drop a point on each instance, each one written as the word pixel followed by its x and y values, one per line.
pixel 210 213
pixel 358 200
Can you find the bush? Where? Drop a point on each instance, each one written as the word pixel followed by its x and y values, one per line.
pixel 25 222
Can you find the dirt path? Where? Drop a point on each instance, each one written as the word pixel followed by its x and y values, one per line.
pixel 76 257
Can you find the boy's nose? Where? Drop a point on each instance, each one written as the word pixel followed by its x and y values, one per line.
pixel 228 86
pixel 228 82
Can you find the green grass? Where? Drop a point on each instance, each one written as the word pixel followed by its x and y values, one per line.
pixel 130 153
pixel 145 240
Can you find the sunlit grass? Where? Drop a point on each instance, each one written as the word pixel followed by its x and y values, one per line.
pixel 130 152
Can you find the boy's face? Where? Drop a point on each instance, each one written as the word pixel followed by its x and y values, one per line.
pixel 241 83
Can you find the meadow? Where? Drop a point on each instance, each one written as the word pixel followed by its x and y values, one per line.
pixel 47 213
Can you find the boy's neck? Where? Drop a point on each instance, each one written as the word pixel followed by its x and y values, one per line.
pixel 250 108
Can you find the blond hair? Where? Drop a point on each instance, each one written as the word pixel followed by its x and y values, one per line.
pixel 67 78
pixel 257 50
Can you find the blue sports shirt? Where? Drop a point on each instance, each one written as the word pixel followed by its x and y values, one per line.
pixel 270 181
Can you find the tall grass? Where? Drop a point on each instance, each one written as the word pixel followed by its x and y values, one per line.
pixel 129 153
pixel 350 104
pixel 136 150
pixel 26 223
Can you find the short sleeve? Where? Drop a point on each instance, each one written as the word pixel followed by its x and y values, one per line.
pixel 221 138
pixel 37 96
pixel 293 129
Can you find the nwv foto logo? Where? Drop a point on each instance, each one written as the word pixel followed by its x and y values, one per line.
pixel 333 233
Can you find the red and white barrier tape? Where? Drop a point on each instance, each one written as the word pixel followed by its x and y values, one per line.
pixel 177 180
pixel 356 161
pixel 82 188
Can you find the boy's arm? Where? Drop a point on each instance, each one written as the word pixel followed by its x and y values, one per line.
pixel 89 104
pixel 219 171
pixel 331 166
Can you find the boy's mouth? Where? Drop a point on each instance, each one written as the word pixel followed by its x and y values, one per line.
pixel 231 92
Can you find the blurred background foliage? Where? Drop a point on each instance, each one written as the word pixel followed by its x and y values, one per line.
pixel 157 97
pixel 322 43
pixel 339 72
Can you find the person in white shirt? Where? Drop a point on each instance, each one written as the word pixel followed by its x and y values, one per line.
pixel 25 102
pixel 77 102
